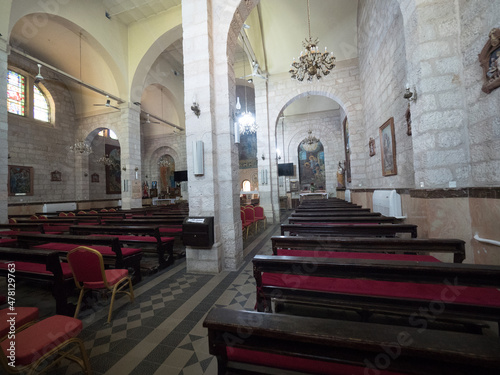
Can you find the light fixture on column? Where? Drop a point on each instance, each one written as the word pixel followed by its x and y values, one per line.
pixel 196 107
pixel 81 147
pixel 312 63
pixel 410 96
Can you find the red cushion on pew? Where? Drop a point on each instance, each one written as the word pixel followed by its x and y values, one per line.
pixel 141 238
pixel 354 255
pixel 23 316
pixel 439 292
pixel 38 339
pixel 297 364
pixel 7 241
pixel 38 268
pixel 16 232
pixel 170 230
pixel 104 250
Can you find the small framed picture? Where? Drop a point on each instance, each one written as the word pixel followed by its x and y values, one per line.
pixel 94 177
pixel 154 185
pixel 388 148
pixel 20 180
pixel 55 176
pixel 371 146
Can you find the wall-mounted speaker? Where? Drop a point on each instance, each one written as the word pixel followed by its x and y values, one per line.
pixel 198 158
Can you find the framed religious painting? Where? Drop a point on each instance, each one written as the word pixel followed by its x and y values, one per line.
pixel 489 58
pixel 113 172
pixel 388 148
pixel 371 146
pixel 20 180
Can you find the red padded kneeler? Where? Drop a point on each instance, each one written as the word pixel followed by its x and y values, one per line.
pixel 104 250
pixel 297 364
pixel 23 316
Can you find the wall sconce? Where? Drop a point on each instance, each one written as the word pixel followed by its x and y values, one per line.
pixel 195 107
pixel 85 174
pixel 408 95
pixel 124 168
pixel 263 157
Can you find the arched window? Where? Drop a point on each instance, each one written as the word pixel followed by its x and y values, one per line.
pixel 246 185
pixel 20 87
pixel 40 105
pixel 16 93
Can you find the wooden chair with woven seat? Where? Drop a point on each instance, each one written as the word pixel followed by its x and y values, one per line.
pixel 41 346
pixel 88 270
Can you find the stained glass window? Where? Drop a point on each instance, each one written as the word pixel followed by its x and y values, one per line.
pixel 15 93
pixel 40 105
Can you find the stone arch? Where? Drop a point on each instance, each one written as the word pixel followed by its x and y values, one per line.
pixel 139 78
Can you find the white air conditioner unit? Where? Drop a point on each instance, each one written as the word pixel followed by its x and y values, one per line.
pixel 388 203
pixel 54 207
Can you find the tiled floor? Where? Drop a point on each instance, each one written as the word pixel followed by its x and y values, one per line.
pixel 161 332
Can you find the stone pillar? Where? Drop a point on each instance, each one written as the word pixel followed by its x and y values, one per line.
pixel 215 192
pixel 130 148
pixel 439 116
pixel 266 147
pixel 4 144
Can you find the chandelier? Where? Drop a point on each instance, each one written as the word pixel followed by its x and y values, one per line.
pixel 246 119
pixel 106 161
pixel 81 147
pixel 163 162
pixel 310 143
pixel 312 63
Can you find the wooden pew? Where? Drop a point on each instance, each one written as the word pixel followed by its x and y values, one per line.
pixel 334 209
pixel 38 265
pixel 110 247
pixel 334 213
pixel 451 290
pixel 143 221
pixel 342 219
pixel 134 235
pixel 368 245
pixel 347 230
pixel 249 342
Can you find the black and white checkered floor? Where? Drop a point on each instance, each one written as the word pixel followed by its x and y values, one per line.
pixel 161 332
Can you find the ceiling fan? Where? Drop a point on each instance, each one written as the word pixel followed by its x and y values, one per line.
pixel 108 104
pixel 39 76
pixel 150 122
pixel 255 72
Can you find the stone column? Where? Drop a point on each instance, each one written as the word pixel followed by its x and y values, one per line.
pixel 130 148
pixel 214 192
pixel 266 147
pixel 4 144
pixel 439 116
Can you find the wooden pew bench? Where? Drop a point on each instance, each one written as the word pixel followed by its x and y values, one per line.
pixel 321 220
pixel 414 289
pixel 291 245
pixel 334 213
pixel 135 235
pixel 349 230
pixel 45 266
pixel 110 247
pixel 249 342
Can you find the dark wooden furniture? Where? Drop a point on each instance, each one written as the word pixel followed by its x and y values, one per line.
pixel 343 219
pixel 248 342
pixel 347 230
pixel 449 286
pixel 318 213
pixel 45 266
pixel 115 257
pixel 134 235
pixel 367 245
